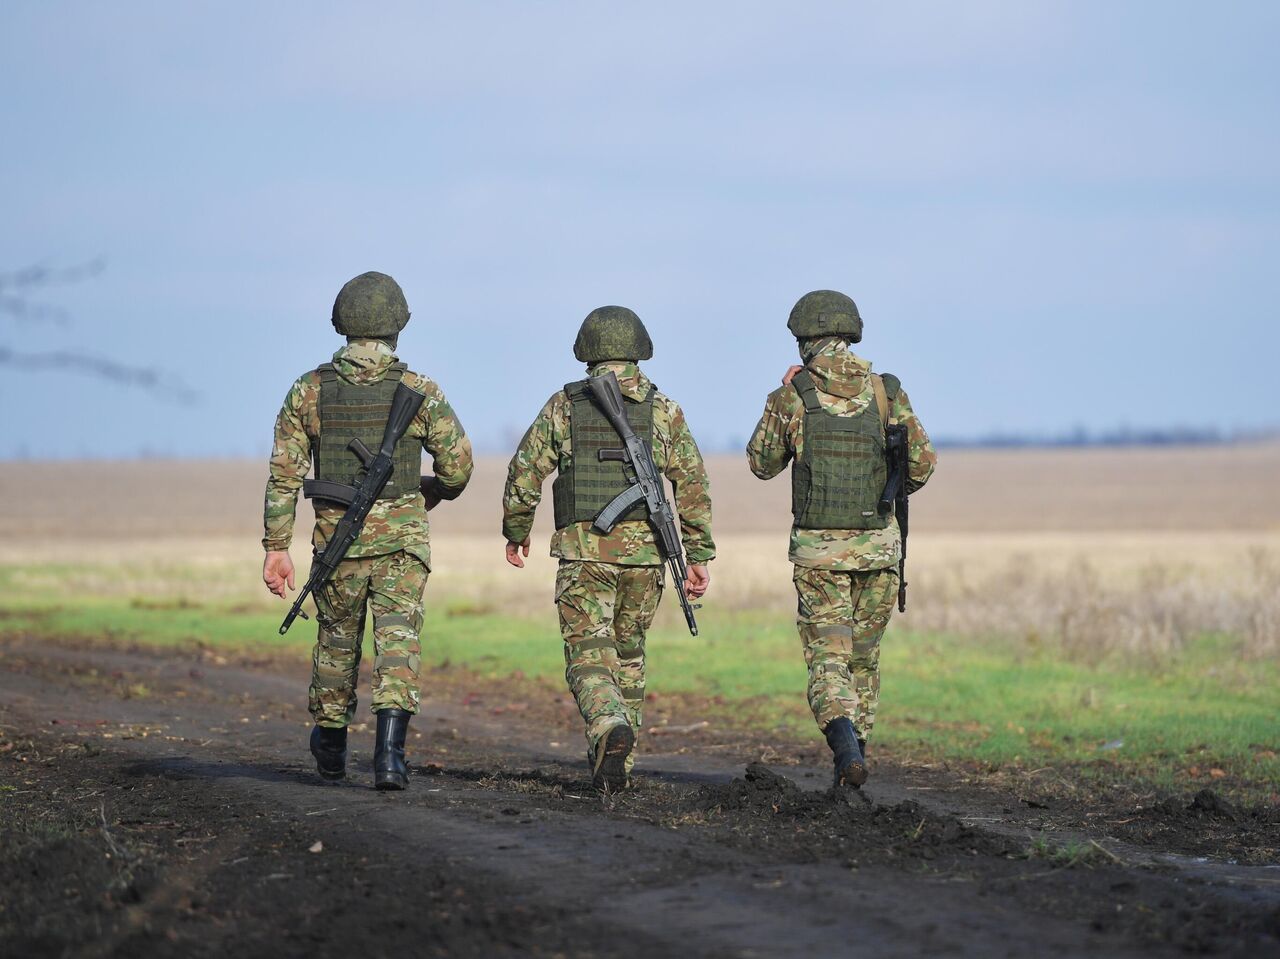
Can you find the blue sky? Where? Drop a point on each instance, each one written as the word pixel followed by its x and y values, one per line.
pixel 1051 214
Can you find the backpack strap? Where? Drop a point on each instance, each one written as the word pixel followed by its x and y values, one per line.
pixel 882 398
pixel 886 388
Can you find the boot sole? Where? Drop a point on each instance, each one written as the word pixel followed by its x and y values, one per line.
pixel 611 768
pixel 389 782
pixel 330 774
pixel 855 774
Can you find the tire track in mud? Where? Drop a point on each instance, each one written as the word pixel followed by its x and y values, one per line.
pixel 689 864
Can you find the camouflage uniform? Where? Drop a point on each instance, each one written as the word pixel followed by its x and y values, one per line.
pixel 386 569
pixel 846 580
pixel 608 586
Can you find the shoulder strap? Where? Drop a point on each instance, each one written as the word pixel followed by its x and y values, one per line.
pixel 886 386
pixel 396 373
pixel 882 399
pixel 327 373
pixel 808 390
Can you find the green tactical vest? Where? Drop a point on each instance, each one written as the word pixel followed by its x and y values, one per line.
pixel 349 411
pixel 590 483
pixel 837 482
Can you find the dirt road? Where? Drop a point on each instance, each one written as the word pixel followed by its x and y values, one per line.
pixel 162 803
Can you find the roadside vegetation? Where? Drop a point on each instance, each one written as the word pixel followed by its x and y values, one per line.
pixel 1206 716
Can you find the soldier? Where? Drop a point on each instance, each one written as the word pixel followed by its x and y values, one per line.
pixel 386 570
pixel 829 417
pixel 608 586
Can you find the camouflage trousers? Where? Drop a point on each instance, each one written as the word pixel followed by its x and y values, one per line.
pixel 390 586
pixel 605 610
pixel 841 617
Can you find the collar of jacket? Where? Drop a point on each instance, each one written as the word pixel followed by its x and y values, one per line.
pixel 364 360
pixel 838 371
pixel 634 384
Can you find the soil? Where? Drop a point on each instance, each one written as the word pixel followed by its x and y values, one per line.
pixel 157 803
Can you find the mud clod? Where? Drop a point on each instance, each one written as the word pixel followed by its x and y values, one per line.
pixel 769 809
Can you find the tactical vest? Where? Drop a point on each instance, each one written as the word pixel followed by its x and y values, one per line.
pixel 590 483
pixel 349 411
pixel 837 482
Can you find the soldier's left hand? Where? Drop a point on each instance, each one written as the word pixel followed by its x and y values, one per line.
pixel 430 492
pixel 699 578
pixel 790 374
pixel 514 550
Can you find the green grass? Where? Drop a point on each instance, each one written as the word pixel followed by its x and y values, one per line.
pixel 995 702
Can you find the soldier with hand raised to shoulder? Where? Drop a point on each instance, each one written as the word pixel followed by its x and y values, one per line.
pixel 838 424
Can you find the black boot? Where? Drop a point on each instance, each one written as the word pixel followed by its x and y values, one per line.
pixel 851 766
pixel 329 746
pixel 610 773
pixel 389 769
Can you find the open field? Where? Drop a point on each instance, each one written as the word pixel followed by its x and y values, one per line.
pixel 1114 595
pixel 1076 752
pixel 1095 552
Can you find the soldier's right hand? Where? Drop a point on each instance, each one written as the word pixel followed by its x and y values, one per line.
pixel 514 550
pixel 277 572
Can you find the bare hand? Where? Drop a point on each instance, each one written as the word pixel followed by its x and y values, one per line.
pixel 277 571
pixel 514 551
pixel 790 374
pixel 430 490
pixel 695 585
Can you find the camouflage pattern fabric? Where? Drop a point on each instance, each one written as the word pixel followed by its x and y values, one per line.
pixel 393 524
pixel 824 313
pixel 391 587
pixel 605 610
pixel 612 333
pixel 547 447
pixel 372 304
pixel 841 617
pixel 844 387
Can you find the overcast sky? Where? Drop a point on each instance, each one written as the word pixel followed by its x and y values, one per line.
pixel 1050 214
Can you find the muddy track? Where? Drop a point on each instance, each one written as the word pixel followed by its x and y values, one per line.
pixel 163 803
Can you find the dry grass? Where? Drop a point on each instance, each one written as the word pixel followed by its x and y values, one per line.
pixel 1146 614
pixel 1093 553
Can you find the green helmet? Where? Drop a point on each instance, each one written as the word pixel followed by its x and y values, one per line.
pixel 370 305
pixel 612 333
pixel 825 313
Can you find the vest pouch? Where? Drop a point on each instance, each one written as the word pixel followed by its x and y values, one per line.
pixel 562 499
pixel 801 481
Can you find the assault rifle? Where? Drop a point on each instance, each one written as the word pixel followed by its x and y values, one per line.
pixel 895 497
pixel 359 498
pixel 646 487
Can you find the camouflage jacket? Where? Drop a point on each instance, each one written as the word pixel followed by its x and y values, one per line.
pixel 546 447
pixel 393 524
pixel 844 387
